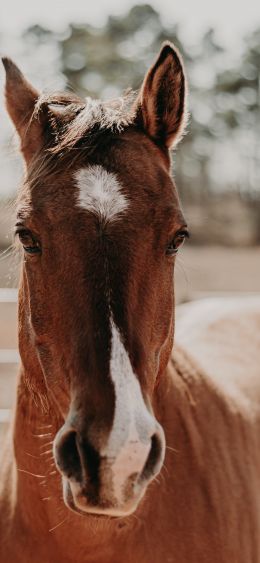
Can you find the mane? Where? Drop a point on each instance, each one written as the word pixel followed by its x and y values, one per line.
pixel 78 123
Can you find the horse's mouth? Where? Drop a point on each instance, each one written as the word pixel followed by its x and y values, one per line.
pixel 76 501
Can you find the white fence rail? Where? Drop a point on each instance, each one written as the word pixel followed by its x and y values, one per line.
pixel 9 356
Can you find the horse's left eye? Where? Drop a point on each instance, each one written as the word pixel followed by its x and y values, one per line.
pixel 176 243
pixel 30 244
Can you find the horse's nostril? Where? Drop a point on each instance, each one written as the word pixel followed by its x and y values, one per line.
pixel 67 455
pixel 76 458
pixel 90 460
pixel 154 460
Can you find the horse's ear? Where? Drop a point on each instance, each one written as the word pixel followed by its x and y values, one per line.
pixel 161 103
pixel 21 99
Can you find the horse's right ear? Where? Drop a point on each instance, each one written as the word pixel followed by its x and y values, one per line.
pixel 21 99
pixel 161 105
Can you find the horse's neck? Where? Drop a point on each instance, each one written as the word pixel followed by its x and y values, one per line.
pixel 34 484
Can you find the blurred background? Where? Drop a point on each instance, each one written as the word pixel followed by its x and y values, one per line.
pixel 102 48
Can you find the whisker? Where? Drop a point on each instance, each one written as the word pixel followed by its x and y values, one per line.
pixel 31 474
pixel 172 449
pixel 166 469
pixel 42 435
pixel 137 518
pixel 47 461
pixel 57 525
pixel 46 444
pixel 45 453
pixel 6 253
pixel 31 455
pixel 162 477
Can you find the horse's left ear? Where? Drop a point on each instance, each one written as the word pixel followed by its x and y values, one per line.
pixel 21 100
pixel 161 104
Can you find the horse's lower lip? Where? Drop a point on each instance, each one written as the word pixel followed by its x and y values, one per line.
pixel 68 498
pixel 92 511
pixel 69 501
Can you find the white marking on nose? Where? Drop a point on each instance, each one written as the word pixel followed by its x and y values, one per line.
pixel 100 192
pixel 129 442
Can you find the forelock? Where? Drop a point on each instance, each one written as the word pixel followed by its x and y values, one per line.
pixel 76 123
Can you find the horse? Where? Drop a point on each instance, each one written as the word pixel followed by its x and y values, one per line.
pixel 120 450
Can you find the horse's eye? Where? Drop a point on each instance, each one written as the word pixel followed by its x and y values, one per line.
pixel 30 244
pixel 176 243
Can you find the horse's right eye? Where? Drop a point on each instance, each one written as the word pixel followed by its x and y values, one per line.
pixel 30 244
pixel 177 242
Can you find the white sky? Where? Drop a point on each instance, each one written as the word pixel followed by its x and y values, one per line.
pixel 231 18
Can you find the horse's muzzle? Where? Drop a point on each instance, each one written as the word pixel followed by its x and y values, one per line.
pixel 97 482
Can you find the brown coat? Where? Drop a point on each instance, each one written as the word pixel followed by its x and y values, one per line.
pixel 96 324
pixel 205 504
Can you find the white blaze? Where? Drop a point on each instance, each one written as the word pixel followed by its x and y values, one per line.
pixel 100 193
pixel 129 442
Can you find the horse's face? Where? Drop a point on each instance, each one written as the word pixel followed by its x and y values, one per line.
pixel 100 230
